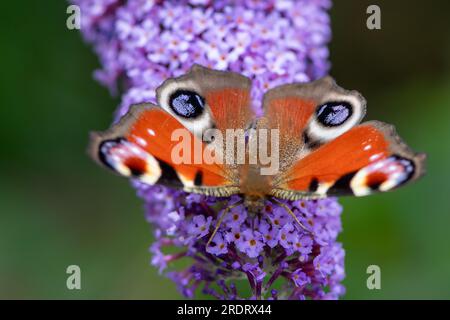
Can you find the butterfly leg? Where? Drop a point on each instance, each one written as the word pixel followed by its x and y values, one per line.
pixel 291 214
pixel 220 220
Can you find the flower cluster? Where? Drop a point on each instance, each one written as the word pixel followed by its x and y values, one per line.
pixel 141 43
pixel 264 248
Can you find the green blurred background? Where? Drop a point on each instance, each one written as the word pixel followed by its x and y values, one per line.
pixel 57 208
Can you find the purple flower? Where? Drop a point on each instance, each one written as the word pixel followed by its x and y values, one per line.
pixel 252 244
pixel 140 44
pixel 286 235
pixel 257 273
pixel 269 233
pixel 235 235
pixel 302 244
pixel 300 278
pixel 199 226
pixel 279 217
pixel 328 207
pixel 236 217
pixel 218 245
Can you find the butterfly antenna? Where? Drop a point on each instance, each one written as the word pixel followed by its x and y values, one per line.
pixel 220 220
pixel 292 214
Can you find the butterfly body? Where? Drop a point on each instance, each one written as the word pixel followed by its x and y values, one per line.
pixel 204 137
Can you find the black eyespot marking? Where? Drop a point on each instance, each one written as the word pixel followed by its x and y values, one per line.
pixel 313 185
pixel 105 147
pixel 186 103
pixel 409 168
pixel 333 114
pixel 309 143
pixel 342 185
pixel 136 165
pixel 375 180
pixel 198 180
pixel 169 176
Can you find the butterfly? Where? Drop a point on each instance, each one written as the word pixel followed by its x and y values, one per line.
pixel 323 149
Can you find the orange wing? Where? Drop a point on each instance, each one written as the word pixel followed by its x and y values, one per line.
pixel 141 146
pixel 226 96
pixel 324 152
pixel 226 106
pixel 366 159
pixel 291 109
pixel 166 145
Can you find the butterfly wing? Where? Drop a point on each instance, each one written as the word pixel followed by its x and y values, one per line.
pixel 227 108
pixel 328 153
pixel 291 109
pixel 145 144
pixel 366 159
pixel 226 96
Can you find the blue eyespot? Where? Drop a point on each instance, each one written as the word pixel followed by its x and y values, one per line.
pixel 332 114
pixel 187 104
